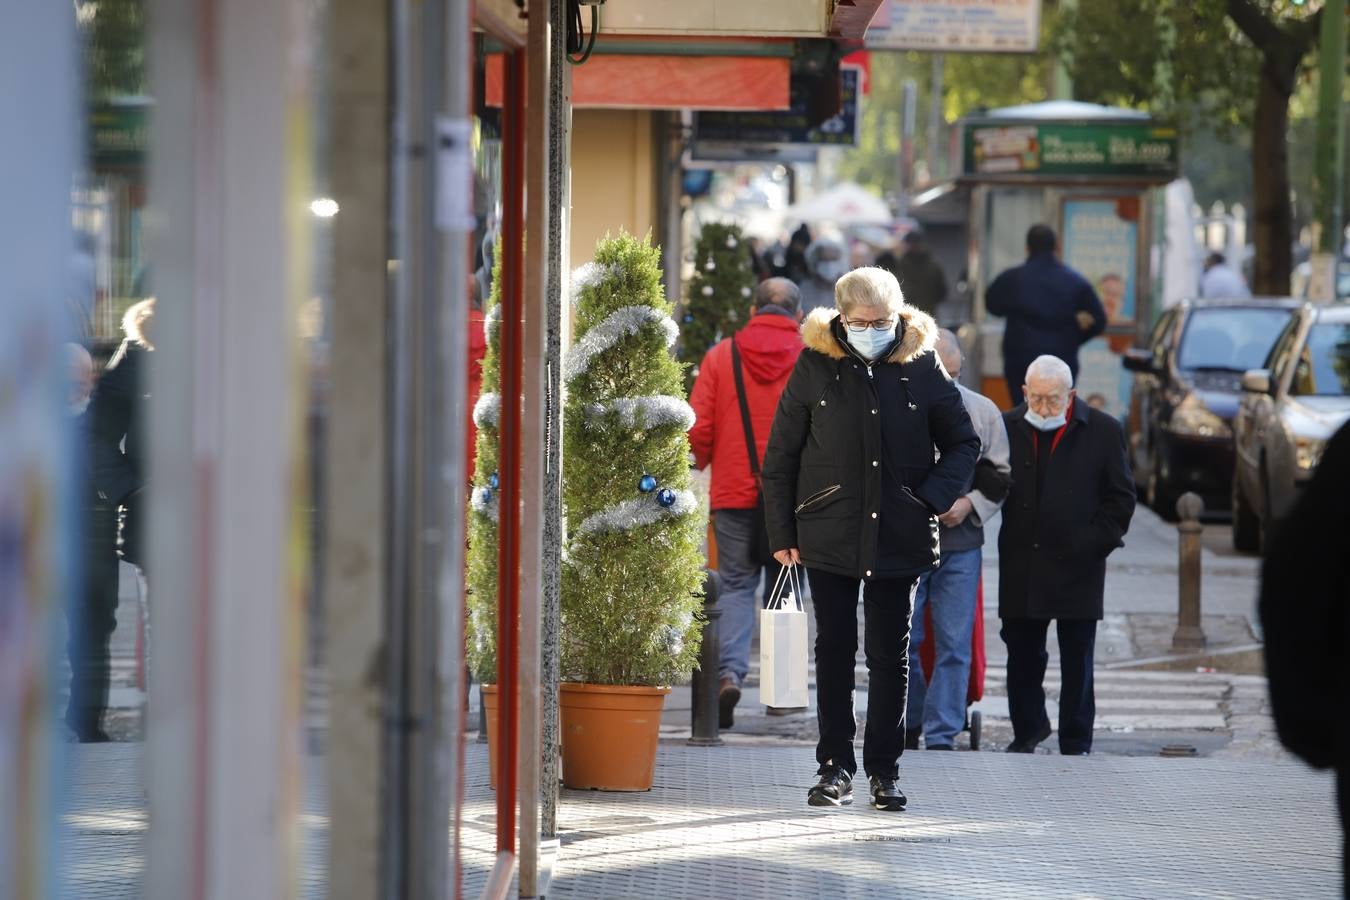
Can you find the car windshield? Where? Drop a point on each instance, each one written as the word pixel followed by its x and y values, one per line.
pixel 1232 339
pixel 1324 365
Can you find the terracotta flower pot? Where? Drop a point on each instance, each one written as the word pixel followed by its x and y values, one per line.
pixel 609 735
pixel 490 709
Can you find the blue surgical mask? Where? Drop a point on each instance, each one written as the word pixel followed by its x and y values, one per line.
pixel 1045 423
pixel 870 343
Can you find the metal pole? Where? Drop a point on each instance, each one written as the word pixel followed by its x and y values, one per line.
pixel 1189 635
pixel 1329 174
pixel 937 155
pixel 704 688
pixel 907 123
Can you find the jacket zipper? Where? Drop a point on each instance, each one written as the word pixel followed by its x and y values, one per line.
pixel 817 497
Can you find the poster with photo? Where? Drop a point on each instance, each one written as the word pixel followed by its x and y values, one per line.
pixel 1101 241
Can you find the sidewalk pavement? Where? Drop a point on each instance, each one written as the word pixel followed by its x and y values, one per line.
pixel 732 822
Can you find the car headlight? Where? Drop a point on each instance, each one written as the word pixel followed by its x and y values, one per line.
pixel 1193 419
pixel 1308 452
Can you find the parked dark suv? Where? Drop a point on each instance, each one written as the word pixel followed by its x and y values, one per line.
pixel 1187 385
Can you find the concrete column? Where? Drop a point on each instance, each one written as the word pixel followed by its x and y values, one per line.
pixel 357 445
pixel 229 233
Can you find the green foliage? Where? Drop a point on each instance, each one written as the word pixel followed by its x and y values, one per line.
pixel 116 47
pixel 481 624
pixel 719 297
pixel 630 598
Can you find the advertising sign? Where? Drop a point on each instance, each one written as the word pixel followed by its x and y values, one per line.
pixel 1113 150
pixel 787 126
pixel 1101 242
pixel 957 26
pixel 119 135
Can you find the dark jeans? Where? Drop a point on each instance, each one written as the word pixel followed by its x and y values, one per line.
pixel 91 622
pixel 886 609
pixel 1026 676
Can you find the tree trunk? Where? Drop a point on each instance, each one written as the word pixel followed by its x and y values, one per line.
pixel 1273 216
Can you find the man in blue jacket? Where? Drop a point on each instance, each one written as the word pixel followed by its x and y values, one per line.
pixel 1051 309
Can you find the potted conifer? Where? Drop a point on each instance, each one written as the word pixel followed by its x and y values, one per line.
pixel 632 574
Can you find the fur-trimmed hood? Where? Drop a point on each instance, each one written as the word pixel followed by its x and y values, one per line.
pixel 919 335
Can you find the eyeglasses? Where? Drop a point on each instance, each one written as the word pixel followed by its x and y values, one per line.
pixel 1054 401
pixel 858 327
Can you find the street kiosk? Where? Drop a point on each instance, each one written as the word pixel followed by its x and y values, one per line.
pixel 1089 172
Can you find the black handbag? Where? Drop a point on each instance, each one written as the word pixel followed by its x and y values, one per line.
pixel 760 551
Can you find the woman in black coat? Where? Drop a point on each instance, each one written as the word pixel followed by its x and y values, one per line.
pixel 852 491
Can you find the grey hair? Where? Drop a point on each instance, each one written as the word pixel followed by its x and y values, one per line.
pixel 868 286
pixel 1051 368
pixel 949 349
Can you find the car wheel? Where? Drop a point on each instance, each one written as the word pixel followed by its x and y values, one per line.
pixel 1246 524
pixel 1162 496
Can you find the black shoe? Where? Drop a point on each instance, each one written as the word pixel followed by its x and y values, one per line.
pixel 728 695
pixel 784 710
pixel 835 788
pixel 1029 746
pixel 912 738
pixel 96 736
pixel 939 747
pixel 886 794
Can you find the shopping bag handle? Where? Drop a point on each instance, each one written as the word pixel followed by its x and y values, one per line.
pixel 778 600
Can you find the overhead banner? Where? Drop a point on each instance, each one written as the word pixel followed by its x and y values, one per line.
pixel 957 26
pixel 1143 150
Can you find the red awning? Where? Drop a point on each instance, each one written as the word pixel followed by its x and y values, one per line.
pixel 668 82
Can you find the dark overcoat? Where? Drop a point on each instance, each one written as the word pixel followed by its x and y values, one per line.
pixel 1041 300
pixel 849 474
pixel 1055 540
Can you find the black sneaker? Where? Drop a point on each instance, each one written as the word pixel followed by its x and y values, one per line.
pixel 912 738
pixel 1029 746
pixel 835 788
pixel 886 794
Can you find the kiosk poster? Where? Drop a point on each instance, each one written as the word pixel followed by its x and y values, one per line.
pixel 1101 242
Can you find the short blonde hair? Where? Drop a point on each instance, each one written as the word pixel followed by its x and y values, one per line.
pixel 868 286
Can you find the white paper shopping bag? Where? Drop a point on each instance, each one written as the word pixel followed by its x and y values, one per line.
pixel 782 644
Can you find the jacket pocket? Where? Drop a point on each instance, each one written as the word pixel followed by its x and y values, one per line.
pixel 817 499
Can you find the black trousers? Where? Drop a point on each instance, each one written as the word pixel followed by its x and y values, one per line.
pixel 1026 677
pixel 91 621
pixel 887 603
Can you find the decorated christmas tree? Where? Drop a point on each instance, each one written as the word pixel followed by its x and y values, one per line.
pixel 632 573
pixel 719 293
pixel 481 628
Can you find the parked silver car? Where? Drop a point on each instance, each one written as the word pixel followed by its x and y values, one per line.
pixel 1288 411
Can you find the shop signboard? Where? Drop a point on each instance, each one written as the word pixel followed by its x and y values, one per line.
pixel 1139 150
pixel 957 26
pixel 788 126
pixel 119 135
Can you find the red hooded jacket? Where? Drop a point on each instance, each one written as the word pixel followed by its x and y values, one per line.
pixel 769 345
pixel 477 350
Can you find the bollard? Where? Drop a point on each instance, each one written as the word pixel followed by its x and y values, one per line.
pixel 1189 635
pixel 705 682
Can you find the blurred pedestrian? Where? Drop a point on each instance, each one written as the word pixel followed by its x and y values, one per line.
pixel 1305 615
pixel 937 708
pixel 1051 309
pixel 854 441
pixel 790 261
pixel 920 276
pixel 118 413
pixel 1069 509
pixel 1220 281
pixel 91 616
pixel 825 264
pixel 734 398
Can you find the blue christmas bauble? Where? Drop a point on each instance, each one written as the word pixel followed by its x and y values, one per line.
pixel 647 484
pixel 493 481
pixel 688 317
pixel 486 495
pixel 666 497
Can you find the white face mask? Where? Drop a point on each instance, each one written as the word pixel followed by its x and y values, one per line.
pixel 1045 423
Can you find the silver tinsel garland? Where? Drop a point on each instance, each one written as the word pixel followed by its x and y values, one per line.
pixel 487 410
pixel 635 513
pixel 491 320
pixel 656 411
pixel 588 276
pixel 619 324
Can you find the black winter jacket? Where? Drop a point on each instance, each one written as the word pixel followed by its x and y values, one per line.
pixel 118 412
pixel 1041 300
pixel 850 477
pixel 1054 542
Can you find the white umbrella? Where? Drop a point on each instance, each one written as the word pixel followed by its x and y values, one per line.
pixel 846 203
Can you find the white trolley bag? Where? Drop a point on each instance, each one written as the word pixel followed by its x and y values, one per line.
pixel 782 644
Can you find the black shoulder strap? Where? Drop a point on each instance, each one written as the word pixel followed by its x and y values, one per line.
pixel 745 410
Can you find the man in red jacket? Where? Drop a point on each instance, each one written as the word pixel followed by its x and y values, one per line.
pixel 768 347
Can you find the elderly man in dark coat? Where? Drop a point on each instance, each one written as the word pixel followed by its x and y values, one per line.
pixel 1070 506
